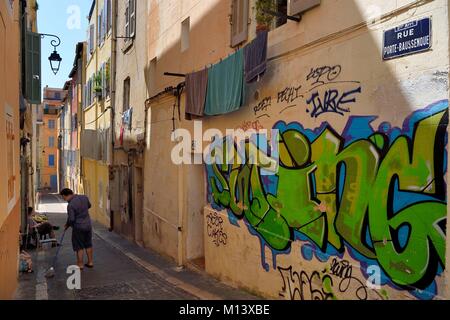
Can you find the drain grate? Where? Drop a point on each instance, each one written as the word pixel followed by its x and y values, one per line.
pixel 108 291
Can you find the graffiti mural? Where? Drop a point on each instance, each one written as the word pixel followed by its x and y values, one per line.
pixel 376 193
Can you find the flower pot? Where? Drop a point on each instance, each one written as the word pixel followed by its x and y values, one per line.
pixel 261 28
pixel 98 94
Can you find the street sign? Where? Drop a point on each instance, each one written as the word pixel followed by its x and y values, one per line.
pixel 409 38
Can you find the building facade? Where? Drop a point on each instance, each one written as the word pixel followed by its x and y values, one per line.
pixel 77 76
pixel 356 206
pixel 9 139
pixel 130 52
pixel 49 139
pixel 97 114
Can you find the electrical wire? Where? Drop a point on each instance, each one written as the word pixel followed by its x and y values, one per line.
pixel 101 115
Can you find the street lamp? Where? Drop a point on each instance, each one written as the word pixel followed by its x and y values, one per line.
pixel 55 59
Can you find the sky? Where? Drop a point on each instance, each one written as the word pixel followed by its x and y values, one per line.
pixel 68 20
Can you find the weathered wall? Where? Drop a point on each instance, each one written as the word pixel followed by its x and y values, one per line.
pixel 361 183
pixel 348 121
pixel 9 111
pixel 131 62
pixel 174 196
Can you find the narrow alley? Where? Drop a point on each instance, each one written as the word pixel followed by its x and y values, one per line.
pixel 123 271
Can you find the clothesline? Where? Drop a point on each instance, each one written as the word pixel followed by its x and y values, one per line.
pixel 220 89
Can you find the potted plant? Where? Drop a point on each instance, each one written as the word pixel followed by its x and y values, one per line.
pixel 263 19
pixel 98 89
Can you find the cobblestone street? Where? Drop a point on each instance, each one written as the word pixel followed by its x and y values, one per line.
pixel 122 271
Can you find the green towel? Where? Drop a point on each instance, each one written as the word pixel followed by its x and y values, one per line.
pixel 226 85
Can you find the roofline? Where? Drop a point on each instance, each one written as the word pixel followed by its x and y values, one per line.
pixel 92 9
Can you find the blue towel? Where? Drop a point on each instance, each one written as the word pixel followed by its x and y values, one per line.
pixel 256 57
pixel 226 85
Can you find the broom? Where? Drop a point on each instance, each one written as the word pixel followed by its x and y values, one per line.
pixel 51 272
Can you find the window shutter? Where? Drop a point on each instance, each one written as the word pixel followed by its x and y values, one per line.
pixel 33 68
pixel 103 81
pixel 85 96
pixel 132 18
pixel 239 21
pixel 91 38
pixel 108 14
pixel 99 29
pixel 79 71
pixel 104 16
pixel 300 6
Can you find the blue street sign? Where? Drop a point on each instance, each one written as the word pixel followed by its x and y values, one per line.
pixel 409 38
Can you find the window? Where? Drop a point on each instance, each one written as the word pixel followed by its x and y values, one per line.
pixel 282 7
pixel 51 142
pixel 108 15
pixel 108 78
pixel 130 19
pixel 91 38
pixel 239 21
pixel 185 29
pixel 57 96
pixel 51 124
pixel 51 160
pixel 100 29
pixel 127 22
pixel 74 122
pixel 126 94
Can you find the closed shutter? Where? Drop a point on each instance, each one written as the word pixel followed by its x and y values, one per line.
pixel 104 16
pixel 91 38
pixel 300 6
pixel 99 29
pixel 239 21
pixel 79 71
pixel 108 15
pixel 132 18
pixel 33 68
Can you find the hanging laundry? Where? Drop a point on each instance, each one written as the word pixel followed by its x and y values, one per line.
pixel 256 57
pixel 196 86
pixel 226 86
pixel 127 118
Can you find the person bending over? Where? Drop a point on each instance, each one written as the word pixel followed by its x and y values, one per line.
pixel 79 220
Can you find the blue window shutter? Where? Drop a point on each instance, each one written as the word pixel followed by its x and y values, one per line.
pixel 51 160
pixel 33 68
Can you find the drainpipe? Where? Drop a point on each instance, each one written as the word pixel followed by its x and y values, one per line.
pixel 113 99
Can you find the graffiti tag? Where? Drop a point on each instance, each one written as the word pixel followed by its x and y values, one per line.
pixel 331 102
pixel 215 231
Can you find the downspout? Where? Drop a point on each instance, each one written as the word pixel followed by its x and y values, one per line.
pixel 113 99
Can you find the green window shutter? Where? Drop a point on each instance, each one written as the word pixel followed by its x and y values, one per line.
pixel 33 68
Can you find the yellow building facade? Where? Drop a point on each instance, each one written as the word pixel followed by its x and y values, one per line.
pixel 49 138
pixel 9 142
pixel 96 130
